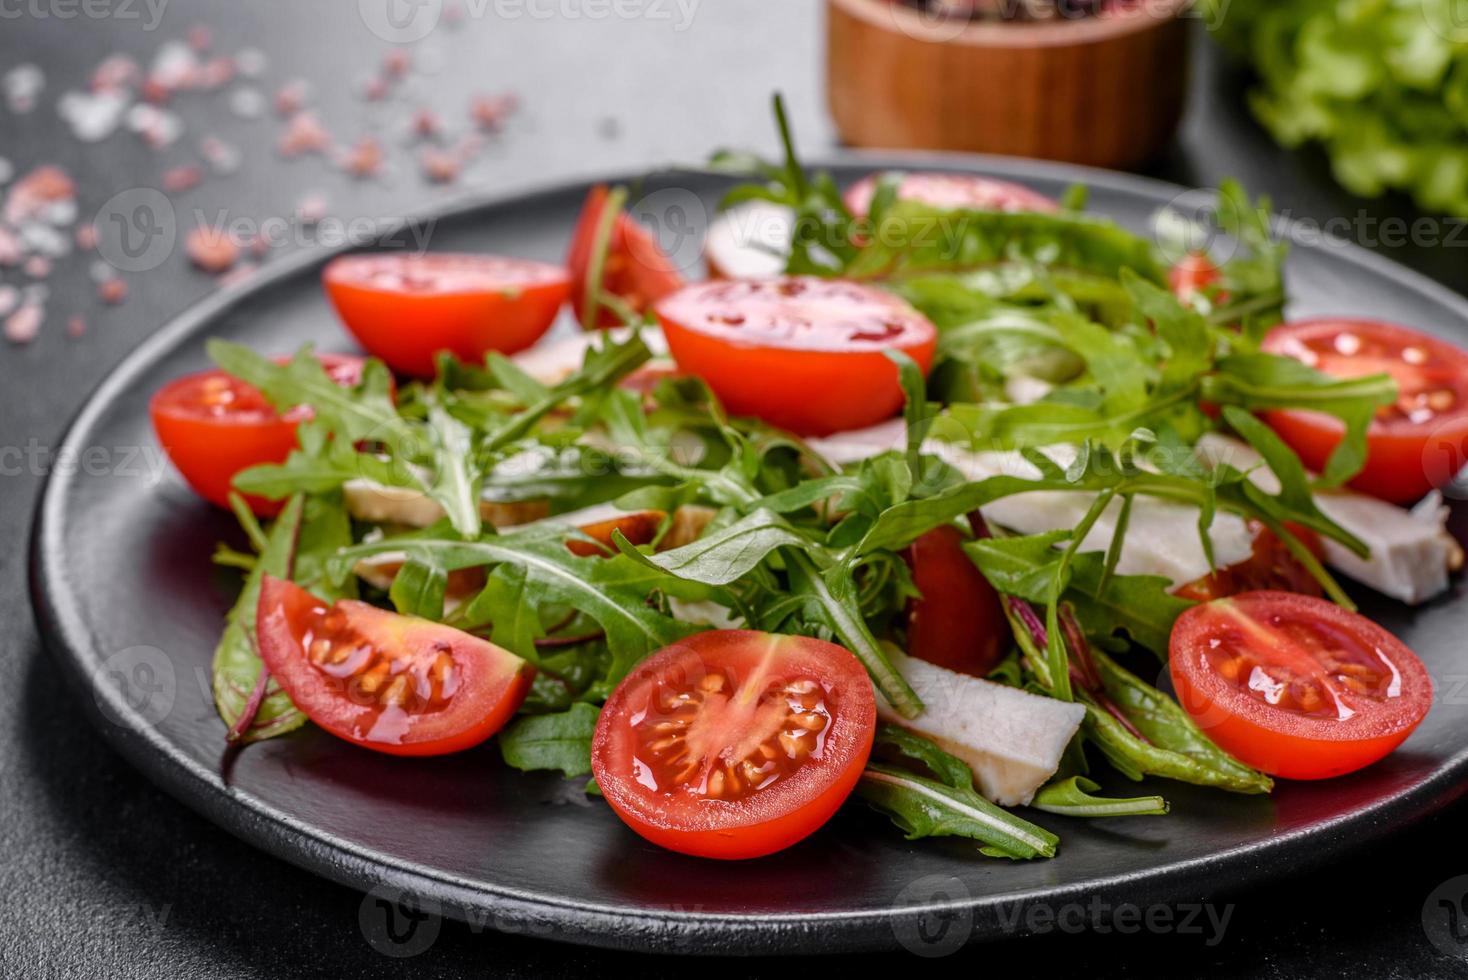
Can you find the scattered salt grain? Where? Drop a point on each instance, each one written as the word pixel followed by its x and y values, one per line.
pixel 222 157
pixel 211 249
pixel 116 72
pixel 22 326
pixel 102 271
pixel 311 208
pixel 364 159
pixel 159 128
pixel 490 111
pixel 33 196
pixel 112 292
pixel 304 134
pixel 44 239
pixel 22 86
pixel 175 66
pixel 93 116
pixel 181 179
pixel 373 89
pixel 37 267
pixel 247 102
pixel 291 97
pixel 200 38
pixel 426 124
pixel 10 250
pixel 86 237
pixel 251 62
pixel 76 326
pixel 238 275
pixel 440 166
pixel 9 299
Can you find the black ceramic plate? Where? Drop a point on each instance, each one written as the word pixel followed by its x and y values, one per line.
pixel 130 606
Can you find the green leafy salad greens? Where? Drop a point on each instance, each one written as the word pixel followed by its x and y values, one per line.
pixel 1068 301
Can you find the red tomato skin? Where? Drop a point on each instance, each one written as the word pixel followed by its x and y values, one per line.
pixel 636 270
pixel 813 391
pixel 951 190
pixel 501 678
pixel 209 450
pixel 958 622
pixel 788 812
pixel 1282 743
pixel 1404 460
pixel 1193 272
pixel 406 328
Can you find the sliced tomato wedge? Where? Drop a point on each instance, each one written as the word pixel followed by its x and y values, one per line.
pixel 1192 274
pixel 212 425
pixel 406 308
pixel 734 743
pixel 957 622
pixel 390 683
pixel 1294 685
pixel 946 190
pixel 1270 565
pixel 802 353
pixel 1417 443
pixel 636 270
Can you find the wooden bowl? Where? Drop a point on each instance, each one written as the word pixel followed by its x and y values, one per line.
pixel 1105 90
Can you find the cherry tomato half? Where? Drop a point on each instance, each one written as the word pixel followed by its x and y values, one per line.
pixel 1270 565
pixel 1192 273
pixel 802 353
pixel 943 190
pixel 404 309
pixel 390 683
pixel 735 743
pixel 212 425
pixel 636 271
pixel 1294 685
pixel 958 622
pixel 1417 443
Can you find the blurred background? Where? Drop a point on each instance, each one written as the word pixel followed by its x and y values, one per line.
pixel 128 125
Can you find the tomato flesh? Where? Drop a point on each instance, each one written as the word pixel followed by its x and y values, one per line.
pixel 213 425
pixel 404 309
pixel 1192 274
pixel 390 683
pixel 638 527
pixel 945 190
pixel 957 621
pixel 802 353
pixel 1295 685
pixel 1270 565
pixel 636 269
pixel 735 743
pixel 1413 445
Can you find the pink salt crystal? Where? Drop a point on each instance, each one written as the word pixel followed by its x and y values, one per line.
pixel 440 166
pixel 175 67
pixel 115 72
pixel 86 237
pixel 37 267
pixel 34 193
pixel 201 38
pixel 311 209
pixel 291 98
pixel 22 326
pixel 76 326
pixel 490 111
pixel 183 178
pixel 374 89
pixel 425 123
pixel 397 62
pixel 304 134
pixel 10 250
pixel 223 158
pixel 364 159
pixel 9 299
pixel 211 248
pixel 216 72
pixel 112 291
pixel 239 274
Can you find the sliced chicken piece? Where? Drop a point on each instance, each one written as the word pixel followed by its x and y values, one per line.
pixel 1011 739
pixel 1162 539
pixel 1411 550
pixel 749 241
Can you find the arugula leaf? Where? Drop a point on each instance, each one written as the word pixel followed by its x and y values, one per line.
pixel 1072 797
pixel 556 741
pixel 418 590
pixel 944 803
pixel 725 555
pixel 237 667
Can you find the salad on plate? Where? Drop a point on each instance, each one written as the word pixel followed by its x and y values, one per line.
pixel 938 494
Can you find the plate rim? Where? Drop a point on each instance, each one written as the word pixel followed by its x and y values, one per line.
pixel 276 832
